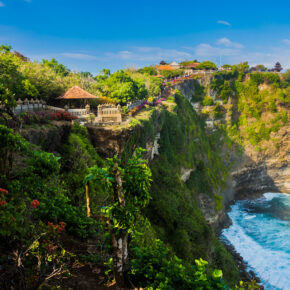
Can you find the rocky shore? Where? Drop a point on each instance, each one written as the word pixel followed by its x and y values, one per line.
pixel 245 275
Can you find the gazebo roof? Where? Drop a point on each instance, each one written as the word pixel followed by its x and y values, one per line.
pixel 76 93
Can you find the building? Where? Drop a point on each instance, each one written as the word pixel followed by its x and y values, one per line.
pixel 175 65
pixel 189 68
pixel 76 93
pixel 164 67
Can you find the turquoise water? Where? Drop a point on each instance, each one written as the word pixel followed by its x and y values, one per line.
pixel 261 234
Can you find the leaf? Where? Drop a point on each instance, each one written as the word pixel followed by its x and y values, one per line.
pixel 217 274
pixel 89 177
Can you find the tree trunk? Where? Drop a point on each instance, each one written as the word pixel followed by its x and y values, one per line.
pixel 120 258
pixel 119 240
pixel 88 201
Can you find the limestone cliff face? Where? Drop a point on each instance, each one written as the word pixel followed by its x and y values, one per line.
pixel 188 87
pixel 254 172
pixel 110 141
pixel 269 170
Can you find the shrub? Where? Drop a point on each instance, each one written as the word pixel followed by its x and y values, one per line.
pixel 153 267
pixel 218 111
pixel 207 101
pixel 44 164
pixel 59 208
pixel 62 116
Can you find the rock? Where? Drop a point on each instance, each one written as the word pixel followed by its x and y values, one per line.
pixel 258 280
pixel 252 274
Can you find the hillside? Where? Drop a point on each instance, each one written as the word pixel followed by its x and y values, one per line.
pixel 209 141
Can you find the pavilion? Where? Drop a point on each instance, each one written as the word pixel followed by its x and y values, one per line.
pixel 76 93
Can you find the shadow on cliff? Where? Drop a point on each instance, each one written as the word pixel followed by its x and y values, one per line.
pixel 251 179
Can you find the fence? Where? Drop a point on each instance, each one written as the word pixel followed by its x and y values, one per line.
pixel 132 105
pixel 40 105
pixel 29 106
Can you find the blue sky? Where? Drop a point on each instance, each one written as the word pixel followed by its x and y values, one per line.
pixel 88 35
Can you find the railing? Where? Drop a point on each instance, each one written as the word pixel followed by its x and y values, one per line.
pixel 134 104
pixel 78 112
pixel 29 106
pixel 54 109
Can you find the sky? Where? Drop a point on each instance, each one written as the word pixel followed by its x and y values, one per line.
pixel 89 35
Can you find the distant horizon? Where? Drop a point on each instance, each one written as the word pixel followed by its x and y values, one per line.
pixel 91 35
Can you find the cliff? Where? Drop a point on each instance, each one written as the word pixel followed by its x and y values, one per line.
pixel 188 175
pixel 199 166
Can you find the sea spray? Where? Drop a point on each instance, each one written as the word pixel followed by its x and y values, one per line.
pixel 261 234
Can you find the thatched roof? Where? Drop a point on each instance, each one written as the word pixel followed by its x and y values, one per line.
pixel 76 93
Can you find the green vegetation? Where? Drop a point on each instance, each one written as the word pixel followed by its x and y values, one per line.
pixel 168 74
pixel 128 192
pixel 207 101
pixel 199 92
pixel 20 78
pixel 148 207
pixel 207 65
pixel 155 268
pixel 262 101
pixel 174 211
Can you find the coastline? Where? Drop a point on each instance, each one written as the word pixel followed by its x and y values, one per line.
pixel 245 274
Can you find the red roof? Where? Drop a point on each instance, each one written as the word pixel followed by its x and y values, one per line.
pixel 193 65
pixel 165 67
pixel 77 93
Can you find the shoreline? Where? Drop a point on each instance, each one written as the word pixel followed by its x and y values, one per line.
pixel 245 274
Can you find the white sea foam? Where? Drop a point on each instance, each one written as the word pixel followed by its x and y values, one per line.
pixel 262 240
pixel 270 195
pixel 249 217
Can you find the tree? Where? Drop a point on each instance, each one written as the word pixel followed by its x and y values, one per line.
pixel 149 70
pixel 121 87
pixel 286 76
pixel 86 74
pixel 226 66
pixel 242 67
pixel 171 73
pixel 261 68
pixel 128 192
pixel 10 143
pixel 5 48
pixel 206 65
pixel 7 100
pixel 59 68
pixel 30 89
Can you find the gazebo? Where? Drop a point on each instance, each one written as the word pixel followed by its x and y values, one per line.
pixel 80 108
pixel 76 93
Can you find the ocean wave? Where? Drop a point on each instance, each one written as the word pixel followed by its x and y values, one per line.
pixel 262 240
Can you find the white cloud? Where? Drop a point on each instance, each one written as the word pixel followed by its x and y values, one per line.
pixel 269 58
pixel 223 22
pixel 2 4
pixel 79 56
pixel 207 50
pixel 228 43
pixel 149 54
pixel 287 41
